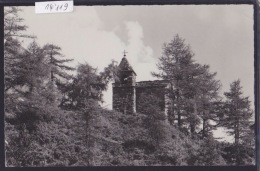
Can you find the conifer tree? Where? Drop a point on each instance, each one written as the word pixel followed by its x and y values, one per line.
pixel 54 59
pixel 193 87
pixel 110 73
pixel 237 117
pixel 34 69
pixel 177 66
pixel 14 31
pixel 237 112
pixel 13 24
pixel 208 98
pixel 87 84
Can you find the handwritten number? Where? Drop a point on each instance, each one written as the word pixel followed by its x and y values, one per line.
pixel 50 7
pixel 65 6
pixel 47 6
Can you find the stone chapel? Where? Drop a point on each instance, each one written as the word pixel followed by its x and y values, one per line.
pixel 126 91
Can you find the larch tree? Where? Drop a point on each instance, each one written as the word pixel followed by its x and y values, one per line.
pixel 110 73
pixel 178 67
pixel 237 112
pixel 207 98
pixel 193 87
pixel 86 85
pixel 174 65
pixel 13 24
pixel 35 69
pixel 54 57
pixel 237 116
pixel 14 31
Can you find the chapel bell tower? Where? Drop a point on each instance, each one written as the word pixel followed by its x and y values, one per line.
pixel 124 97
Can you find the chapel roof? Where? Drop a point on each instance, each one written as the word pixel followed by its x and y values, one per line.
pixel 155 83
pixel 125 66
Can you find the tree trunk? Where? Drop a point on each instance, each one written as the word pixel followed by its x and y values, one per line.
pixel 204 127
pixel 195 113
pixel 236 125
pixel 178 113
pixel 177 105
pixel 51 68
pixel 192 128
pixel 237 143
pixel 236 135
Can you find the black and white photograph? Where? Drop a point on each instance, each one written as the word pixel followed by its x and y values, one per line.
pixel 133 85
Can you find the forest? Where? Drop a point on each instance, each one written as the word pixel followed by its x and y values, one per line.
pixel 53 113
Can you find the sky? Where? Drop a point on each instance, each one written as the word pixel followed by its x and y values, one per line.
pixel 219 35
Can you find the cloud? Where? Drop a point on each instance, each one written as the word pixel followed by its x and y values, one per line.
pixel 141 52
pixel 83 37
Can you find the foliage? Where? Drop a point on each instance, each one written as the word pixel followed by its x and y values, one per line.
pixel 87 84
pixel 209 153
pixel 193 87
pixel 177 66
pixel 241 154
pixel 237 112
pixel 58 68
pixel 149 105
pixel 50 144
pixel 55 119
pixel 110 73
pixel 13 31
pixel 13 24
pixel 237 118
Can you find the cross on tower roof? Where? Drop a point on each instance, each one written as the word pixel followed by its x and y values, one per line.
pixel 125 53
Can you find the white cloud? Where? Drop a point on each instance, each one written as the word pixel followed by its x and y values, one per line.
pixel 81 36
pixel 141 52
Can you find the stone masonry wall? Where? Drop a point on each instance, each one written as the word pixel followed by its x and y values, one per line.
pixel 124 99
pixel 159 92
